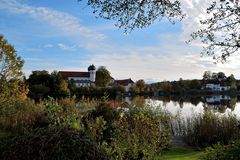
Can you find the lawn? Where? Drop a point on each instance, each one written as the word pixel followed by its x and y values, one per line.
pixel 181 154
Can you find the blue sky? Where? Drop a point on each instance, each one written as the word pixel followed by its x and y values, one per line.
pixel 65 35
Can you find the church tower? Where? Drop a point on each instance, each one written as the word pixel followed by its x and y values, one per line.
pixel 92 72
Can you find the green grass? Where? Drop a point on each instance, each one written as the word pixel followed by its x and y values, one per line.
pixel 181 154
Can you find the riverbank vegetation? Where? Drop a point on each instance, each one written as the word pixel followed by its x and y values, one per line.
pixel 67 128
pixel 64 129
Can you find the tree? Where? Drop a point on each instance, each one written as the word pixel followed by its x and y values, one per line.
pixel 10 64
pixel 43 84
pixel 40 77
pixel 40 84
pixel 232 81
pixel 59 85
pixel 103 77
pixel 207 75
pixel 195 84
pixel 214 76
pixel 11 75
pixel 72 87
pixel 140 84
pixel 166 86
pixel 220 30
pixel 131 14
pixel 221 75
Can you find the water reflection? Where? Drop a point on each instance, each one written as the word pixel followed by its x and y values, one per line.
pixel 189 106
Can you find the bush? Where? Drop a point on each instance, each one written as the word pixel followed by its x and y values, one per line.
pixel 64 114
pixel 223 152
pixel 99 122
pixel 52 143
pixel 141 133
pixel 134 133
pixel 20 115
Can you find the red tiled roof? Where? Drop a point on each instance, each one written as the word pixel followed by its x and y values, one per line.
pixel 66 74
pixel 123 82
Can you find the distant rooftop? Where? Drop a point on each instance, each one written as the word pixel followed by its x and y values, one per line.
pixel 66 74
pixel 123 82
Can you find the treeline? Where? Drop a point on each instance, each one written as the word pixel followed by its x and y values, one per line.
pixel 43 84
pixel 196 85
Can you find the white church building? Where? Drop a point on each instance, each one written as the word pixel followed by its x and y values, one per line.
pixel 82 79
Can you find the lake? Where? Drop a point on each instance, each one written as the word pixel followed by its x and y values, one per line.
pixel 189 106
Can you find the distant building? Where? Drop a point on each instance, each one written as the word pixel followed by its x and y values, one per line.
pixel 217 87
pixel 82 79
pixel 126 83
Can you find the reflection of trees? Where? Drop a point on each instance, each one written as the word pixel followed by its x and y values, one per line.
pixel 175 103
pixel 222 105
pixel 195 100
pixel 232 103
pixel 181 103
pixel 139 101
pixel 166 100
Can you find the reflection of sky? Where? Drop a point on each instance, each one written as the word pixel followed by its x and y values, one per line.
pixel 188 109
pixel 236 110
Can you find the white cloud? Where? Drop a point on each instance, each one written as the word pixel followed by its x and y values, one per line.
pixel 48 46
pixel 149 67
pixel 158 68
pixel 195 10
pixel 66 47
pixel 65 22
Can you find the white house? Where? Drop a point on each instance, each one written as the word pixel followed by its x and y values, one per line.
pixel 217 98
pixel 217 87
pixel 82 79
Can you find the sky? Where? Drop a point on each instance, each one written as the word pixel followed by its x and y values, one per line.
pixel 66 35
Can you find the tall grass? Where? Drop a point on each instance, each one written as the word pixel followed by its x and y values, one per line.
pixel 205 129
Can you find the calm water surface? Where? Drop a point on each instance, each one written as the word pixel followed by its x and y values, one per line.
pixel 222 105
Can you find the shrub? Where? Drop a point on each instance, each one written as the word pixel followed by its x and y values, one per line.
pixel 68 103
pixel 134 133
pixel 52 144
pixel 140 133
pixel 99 122
pixel 62 115
pixel 20 115
pixel 222 152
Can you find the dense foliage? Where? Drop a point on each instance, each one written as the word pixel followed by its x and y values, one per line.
pixel 135 133
pixel 103 77
pixel 99 91
pixel 11 75
pixel 132 14
pixel 58 128
pixel 54 143
pixel 222 152
pixel 42 84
